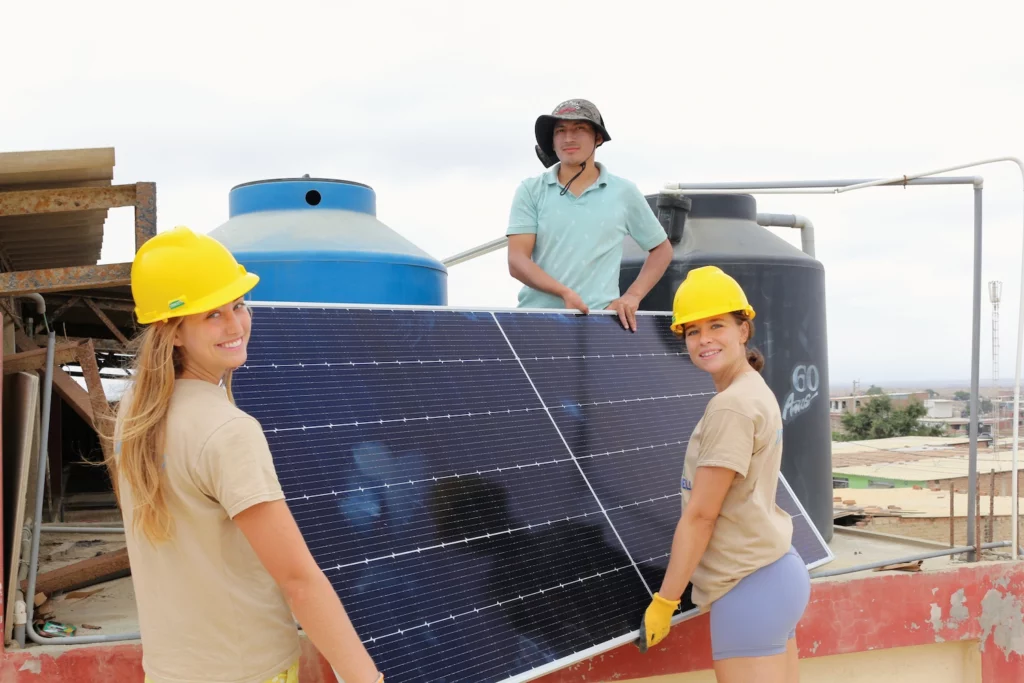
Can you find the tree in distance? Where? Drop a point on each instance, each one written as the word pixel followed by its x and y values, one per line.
pixel 878 419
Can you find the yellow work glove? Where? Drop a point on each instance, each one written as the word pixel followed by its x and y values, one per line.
pixel 656 622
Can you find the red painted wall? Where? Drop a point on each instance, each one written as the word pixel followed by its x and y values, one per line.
pixel 978 602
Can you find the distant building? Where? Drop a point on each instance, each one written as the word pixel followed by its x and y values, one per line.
pixel 841 405
pixel 930 473
pixel 939 407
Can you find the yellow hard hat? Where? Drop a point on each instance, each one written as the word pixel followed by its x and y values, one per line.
pixel 179 273
pixel 705 293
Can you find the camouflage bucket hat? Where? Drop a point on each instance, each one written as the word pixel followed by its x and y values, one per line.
pixel 570 110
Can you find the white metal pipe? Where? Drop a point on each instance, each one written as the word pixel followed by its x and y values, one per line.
pixel 473 253
pixel 804 184
pixel 909 558
pixel 788 220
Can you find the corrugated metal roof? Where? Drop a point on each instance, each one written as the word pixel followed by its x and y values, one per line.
pixel 54 240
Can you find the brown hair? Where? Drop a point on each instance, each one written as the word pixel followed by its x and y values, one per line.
pixel 754 357
pixel 141 427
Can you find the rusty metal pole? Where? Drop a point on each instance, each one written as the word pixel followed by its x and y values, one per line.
pixel 952 518
pixel 145 213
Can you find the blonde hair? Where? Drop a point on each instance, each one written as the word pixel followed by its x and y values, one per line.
pixel 141 428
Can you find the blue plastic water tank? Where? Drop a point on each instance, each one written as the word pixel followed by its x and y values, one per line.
pixel 318 240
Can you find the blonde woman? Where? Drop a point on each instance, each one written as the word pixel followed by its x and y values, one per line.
pixel 732 542
pixel 218 563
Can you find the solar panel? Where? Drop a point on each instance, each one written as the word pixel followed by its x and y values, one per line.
pixel 492 494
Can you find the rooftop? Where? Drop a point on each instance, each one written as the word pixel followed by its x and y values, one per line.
pixel 899 442
pixel 930 469
pixel 63 238
pixel 909 502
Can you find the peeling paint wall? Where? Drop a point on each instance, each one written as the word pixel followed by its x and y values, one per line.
pixel 946 663
pixel 972 606
pixel 1002 618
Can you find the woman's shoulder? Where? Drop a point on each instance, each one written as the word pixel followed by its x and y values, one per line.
pixel 204 407
pixel 748 394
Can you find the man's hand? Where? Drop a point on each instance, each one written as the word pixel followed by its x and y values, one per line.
pixel 626 306
pixel 573 300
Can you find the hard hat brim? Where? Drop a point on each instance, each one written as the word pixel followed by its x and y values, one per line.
pixel 677 325
pixel 239 287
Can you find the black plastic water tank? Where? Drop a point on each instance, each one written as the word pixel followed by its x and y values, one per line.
pixel 786 287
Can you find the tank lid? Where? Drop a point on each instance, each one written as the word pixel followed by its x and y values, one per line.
pixel 295 194
pixel 741 206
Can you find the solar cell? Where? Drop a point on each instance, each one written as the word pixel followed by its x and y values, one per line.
pixel 492 495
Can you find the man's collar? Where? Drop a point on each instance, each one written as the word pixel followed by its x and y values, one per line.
pixel 551 175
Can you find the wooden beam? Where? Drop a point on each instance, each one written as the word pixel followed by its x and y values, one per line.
pixel 102 415
pixel 83 574
pixel 106 321
pixel 7 306
pixel 65 279
pixel 35 360
pixel 66 387
pixel 109 345
pixel 31 202
pixel 73 393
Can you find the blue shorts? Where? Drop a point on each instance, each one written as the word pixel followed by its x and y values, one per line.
pixel 760 613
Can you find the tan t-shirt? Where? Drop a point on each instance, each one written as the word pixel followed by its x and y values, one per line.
pixel 742 431
pixel 208 610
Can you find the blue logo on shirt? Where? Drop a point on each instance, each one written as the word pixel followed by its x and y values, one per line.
pixel 684 484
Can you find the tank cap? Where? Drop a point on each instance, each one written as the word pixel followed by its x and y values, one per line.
pixel 296 194
pixel 741 206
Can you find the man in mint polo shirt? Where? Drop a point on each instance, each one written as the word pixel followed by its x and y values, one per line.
pixel 566 226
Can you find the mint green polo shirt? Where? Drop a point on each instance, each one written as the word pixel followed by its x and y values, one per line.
pixel 579 239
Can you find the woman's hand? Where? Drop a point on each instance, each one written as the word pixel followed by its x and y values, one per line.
pixel 656 622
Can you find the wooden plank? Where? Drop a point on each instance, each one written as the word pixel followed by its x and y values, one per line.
pixel 102 415
pixel 72 392
pixel 100 344
pixel 83 574
pixel 36 359
pixel 20 431
pixel 106 321
pixel 68 165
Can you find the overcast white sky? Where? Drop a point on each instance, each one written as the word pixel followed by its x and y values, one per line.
pixel 433 105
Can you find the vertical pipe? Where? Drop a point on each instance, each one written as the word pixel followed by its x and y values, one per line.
pixel 992 506
pixel 952 517
pixel 977 526
pixel 972 476
pixel 37 517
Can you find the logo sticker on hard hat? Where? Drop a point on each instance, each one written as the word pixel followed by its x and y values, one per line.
pixel 805 380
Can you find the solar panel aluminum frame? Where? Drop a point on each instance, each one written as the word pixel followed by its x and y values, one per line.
pixel 604 646
pixel 829 555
